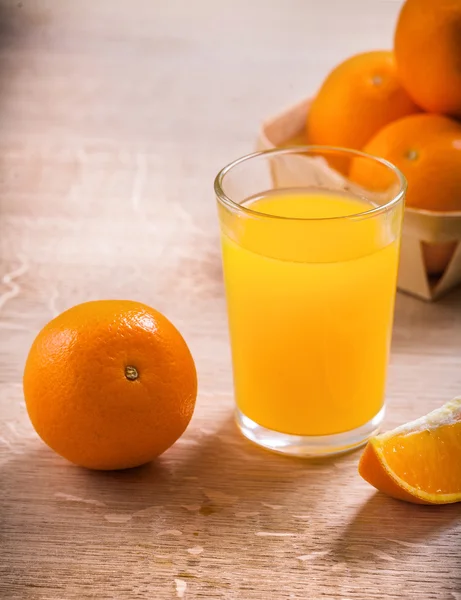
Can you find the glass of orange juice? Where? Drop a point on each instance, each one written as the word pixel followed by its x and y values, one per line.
pixel 310 244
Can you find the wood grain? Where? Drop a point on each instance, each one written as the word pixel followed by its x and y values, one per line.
pixel 114 118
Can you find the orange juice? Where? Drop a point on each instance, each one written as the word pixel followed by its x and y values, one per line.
pixel 310 303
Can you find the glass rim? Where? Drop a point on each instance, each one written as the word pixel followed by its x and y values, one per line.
pixel 377 210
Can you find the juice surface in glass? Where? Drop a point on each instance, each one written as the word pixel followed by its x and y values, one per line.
pixel 310 311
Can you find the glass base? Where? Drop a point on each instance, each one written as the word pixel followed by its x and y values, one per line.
pixel 308 445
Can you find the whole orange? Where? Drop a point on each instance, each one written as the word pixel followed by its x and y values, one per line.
pixel 358 98
pixel 427 149
pixel 110 384
pixel 428 53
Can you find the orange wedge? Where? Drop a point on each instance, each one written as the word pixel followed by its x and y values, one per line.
pixel 420 461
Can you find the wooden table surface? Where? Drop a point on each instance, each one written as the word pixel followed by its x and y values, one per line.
pixel 114 118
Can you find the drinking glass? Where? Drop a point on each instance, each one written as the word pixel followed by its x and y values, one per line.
pixel 310 245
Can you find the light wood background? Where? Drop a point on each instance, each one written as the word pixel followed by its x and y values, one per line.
pixel 114 118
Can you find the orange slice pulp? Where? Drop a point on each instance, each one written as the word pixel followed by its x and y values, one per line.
pixel 420 461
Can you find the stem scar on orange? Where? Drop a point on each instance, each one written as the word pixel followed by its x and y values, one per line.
pixel 110 384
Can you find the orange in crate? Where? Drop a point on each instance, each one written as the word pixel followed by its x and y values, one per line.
pixel 428 50
pixel 357 99
pixel 427 149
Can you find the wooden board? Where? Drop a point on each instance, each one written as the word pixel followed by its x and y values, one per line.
pixel 114 119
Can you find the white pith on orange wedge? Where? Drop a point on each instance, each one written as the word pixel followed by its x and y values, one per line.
pixel 420 461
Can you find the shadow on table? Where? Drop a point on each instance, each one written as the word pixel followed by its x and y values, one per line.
pixel 214 468
pixel 383 523
pixel 205 472
pixel 448 307
pixel 213 483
